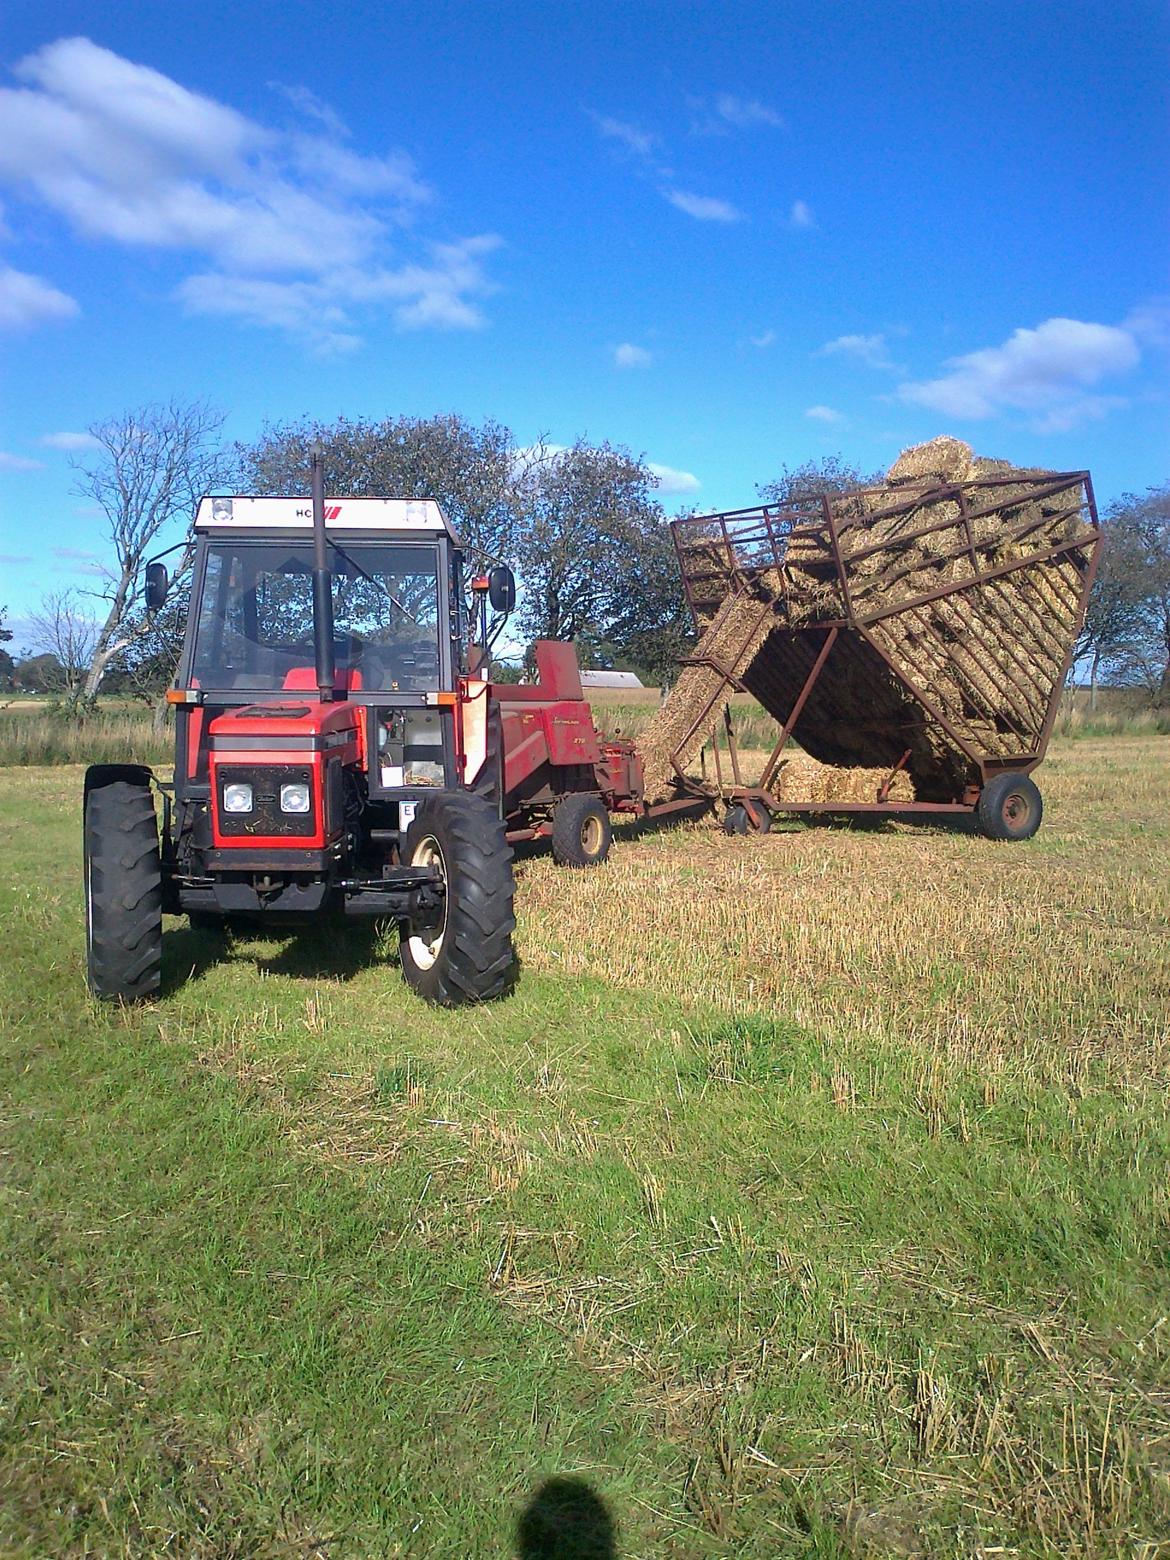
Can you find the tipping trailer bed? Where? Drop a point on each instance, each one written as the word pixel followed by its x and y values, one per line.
pixel 916 635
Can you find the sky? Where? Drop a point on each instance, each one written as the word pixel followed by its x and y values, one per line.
pixel 730 237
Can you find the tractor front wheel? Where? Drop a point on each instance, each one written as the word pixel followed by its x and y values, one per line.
pixel 466 955
pixel 123 892
pixel 581 831
pixel 1009 807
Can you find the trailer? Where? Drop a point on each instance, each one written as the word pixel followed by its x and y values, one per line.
pixel 916 637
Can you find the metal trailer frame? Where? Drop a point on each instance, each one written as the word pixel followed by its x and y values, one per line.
pixel 755 541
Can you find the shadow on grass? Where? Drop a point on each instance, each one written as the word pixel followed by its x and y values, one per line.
pixel 329 949
pixel 565 1520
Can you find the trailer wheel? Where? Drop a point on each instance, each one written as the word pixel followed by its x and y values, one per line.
pixel 467 955
pixel 123 892
pixel 1010 807
pixel 581 831
pixel 737 819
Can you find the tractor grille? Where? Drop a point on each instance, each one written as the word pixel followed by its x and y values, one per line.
pixel 266 817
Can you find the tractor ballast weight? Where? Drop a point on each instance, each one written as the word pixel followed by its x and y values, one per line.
pixel 340 750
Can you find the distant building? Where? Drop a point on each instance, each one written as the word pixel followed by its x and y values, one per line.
pixel 611 680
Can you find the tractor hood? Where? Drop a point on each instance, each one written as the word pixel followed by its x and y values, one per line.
pixel 301 725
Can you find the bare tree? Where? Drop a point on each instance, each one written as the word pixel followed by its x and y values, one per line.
pixel 150 469
pixel 63 629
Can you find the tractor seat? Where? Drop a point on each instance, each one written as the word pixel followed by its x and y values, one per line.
pixel 304 679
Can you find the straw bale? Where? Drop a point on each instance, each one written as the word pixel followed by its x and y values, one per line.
pixel 943 459
pixel 698 699
pixel 803 779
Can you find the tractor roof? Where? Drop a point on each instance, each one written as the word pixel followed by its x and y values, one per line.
pixel 242 514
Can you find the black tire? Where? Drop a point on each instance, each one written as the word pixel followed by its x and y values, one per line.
pixel 581 831
pixel 737 819
pixel 1010 807
pixel 468 956
pixel 123 892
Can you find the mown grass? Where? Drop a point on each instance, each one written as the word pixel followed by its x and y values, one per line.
pixel 809 1198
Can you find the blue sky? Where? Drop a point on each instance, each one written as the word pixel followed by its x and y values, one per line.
pixel 728 236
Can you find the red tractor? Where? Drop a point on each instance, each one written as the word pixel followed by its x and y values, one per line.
pixel 339 749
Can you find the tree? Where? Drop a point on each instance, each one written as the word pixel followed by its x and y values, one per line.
pixel 151 467
pixel 588 512
pixel 68 634
pixel 39 674
pixel 651 626
pixel 1113 616
pixel 7 664
pixel 469 469
pixel 1129 611
pixel 831 475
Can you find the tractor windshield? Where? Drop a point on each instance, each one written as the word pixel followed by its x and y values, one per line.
pixel 255 627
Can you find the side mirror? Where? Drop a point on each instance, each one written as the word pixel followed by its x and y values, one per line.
pixel 157 585
pixel 501 588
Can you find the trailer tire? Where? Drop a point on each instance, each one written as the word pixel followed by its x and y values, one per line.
pixel 468 957
pixel 1010 807
pixel 737 819
pixel 123 892
pixel 581 831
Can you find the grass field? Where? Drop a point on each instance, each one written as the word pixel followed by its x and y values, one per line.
pixel 811 1197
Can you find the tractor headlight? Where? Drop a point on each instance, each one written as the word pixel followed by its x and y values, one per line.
pixel 294 798
pixel 237 798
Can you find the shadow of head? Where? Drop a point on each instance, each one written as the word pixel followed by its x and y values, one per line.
pixel 565 1520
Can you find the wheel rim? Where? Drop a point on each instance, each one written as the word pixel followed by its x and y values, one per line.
pixel 591 835
pixel 1017 811
pixel 426 946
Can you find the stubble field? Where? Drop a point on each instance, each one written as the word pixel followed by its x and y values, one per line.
pixel 810 1197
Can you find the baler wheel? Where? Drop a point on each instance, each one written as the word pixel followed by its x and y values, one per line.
pixel 581 831
pixel 467 956
pixel 123 892
pixel 1010 807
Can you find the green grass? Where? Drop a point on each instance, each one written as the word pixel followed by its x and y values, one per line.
pixel 774 1246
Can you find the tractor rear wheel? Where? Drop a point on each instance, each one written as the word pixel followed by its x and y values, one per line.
pixel 1009 807
pixel 465 956
pixel 123 892
pixel 581 831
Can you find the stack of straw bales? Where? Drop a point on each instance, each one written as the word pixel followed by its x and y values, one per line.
pixel 987 655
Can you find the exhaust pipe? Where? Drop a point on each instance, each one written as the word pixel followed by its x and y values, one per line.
pixel 322 584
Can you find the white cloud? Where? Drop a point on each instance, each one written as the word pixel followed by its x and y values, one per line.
pixel 27 300
pixel 1046 372
pixel 19 463
pixel 668 480
pixel 70 441
pixel 705 208
pixel 870 350
pixel 746 112
pixel 824 414
pixel 438 295
pixel 641 142
pixel 283 220
pixel 801 215
pixel 766 338
pixel 627 355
